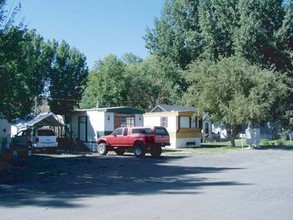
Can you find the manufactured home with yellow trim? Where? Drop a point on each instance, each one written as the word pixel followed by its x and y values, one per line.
pixel 182 123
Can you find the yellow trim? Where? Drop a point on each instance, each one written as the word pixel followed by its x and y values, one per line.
pixel 183 133
pixel 160 114
pixel 189 130
pixel 187 135
pixel 188 114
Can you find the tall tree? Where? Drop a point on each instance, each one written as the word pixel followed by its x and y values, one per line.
pixel 106 84
pixel 7 16
pixel 26 61
pixel 12 93
pixel 154 81
pixel 132 82
pixel 91 96
pixel 235 92
pixel 217 21
pixel 31 67
pixel 263 34
pixel 68 79
pixel 177 33
pixel 260 31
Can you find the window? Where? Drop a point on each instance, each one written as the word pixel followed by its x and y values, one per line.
pixel 27 133
pixel 164 121
pixel 161 131
pixel 193 122
pixel 129 121
pixel 123 120
pixel 45 133
pixel 141 130
pixel 188 122
pixel 184 122
pixel 118 131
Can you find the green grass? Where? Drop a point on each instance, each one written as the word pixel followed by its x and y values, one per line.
pixel 221 147
pixel 276 143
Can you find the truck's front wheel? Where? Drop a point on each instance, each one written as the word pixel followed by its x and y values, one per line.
pixel 156 151
pixel 102 149
pixel 139 149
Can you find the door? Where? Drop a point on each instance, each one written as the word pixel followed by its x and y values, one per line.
pixel 82 128
pixel 116 138
pixel 22 138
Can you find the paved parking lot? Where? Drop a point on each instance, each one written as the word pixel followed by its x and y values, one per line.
pixel 242 184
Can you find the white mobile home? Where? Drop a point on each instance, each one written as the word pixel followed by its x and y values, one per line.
pixel 87 125
pixel 181 122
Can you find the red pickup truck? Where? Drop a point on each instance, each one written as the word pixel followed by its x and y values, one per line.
pixel 140 140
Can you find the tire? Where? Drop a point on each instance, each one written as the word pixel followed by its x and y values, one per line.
pixel 102 149
pixel 156 151
pixel 139 149
pixel 120 151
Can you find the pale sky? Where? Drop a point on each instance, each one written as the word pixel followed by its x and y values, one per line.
pixel 96 28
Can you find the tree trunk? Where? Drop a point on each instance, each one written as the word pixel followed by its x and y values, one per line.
pixel 234 129
pixel 233 141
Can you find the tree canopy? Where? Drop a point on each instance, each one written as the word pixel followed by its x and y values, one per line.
pixel 188 30
pixel 67 79
pixel 133 82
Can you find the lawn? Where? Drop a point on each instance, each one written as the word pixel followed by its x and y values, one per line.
pixel 218 147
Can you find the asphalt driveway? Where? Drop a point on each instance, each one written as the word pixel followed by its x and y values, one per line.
pixel 243 184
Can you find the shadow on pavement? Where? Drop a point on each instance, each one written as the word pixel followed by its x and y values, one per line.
pixel 52 181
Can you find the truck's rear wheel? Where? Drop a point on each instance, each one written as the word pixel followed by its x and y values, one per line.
pixel 139 149
pixel 102 149
pixel 156 151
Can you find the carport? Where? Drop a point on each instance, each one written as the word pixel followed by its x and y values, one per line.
pixel 48 119
pixel 41 120
pixel 45 119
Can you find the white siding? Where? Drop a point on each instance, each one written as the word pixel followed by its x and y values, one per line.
pixel 95 123
pixel 181 142
pixel 172 123
pixel 151 121
pixel 138 120
pixel 109 121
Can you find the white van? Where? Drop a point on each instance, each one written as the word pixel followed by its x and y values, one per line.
pixel 35 138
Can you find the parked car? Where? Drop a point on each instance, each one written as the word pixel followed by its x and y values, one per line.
pixel 35 138
pixel 140 140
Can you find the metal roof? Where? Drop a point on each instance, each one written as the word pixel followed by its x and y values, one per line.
pixel 121 110
pixel 173 108
pixel 43 119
